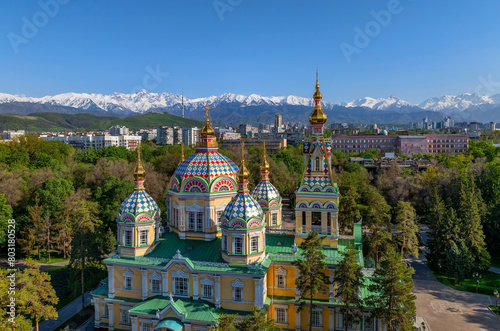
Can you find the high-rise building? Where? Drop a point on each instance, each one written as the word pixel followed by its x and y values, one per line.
pixel 165 135
pixel 278 121
pixel 190 136
pixel 118 130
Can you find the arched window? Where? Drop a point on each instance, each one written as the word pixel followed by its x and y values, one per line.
pixel 317 163
pixel 223 188
pixel 195 189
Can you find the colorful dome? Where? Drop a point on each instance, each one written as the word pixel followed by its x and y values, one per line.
pixel 267 192
pixel 242 212
pixel 138 207
pixel 207 163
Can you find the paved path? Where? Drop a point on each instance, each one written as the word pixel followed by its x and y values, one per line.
pixel 447 309
pixel 495 270
pixel 65 313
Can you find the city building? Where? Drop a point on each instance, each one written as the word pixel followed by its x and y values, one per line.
pixel 190 136
pixel 146 134
pixel 165 135
pixel 278 121
pixel 9 134
pixel 97 141
pixel 218 254
pixel 118 130
pixel 426 144
pixel 272 146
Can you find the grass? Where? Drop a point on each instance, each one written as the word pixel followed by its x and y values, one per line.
pixel 494 309
pixel 489 282
pixel 55 256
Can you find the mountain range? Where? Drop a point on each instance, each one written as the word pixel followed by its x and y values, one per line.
pixel 230 108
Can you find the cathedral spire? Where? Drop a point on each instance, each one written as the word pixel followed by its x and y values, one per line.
pixel 139 172
pixel 182 152
pixel 317 115
pixel 243 173
pixel 208 130
pixel 264 168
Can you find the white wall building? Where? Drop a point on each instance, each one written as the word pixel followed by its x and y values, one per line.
pixel 89 141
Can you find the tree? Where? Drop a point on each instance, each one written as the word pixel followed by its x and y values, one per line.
pixel 39 298
pixel 458 262
pixel 377 244
pixel 392 299
pixel 257 321
pixel 311 279
pixel 30 235
pixel 348 209
pixel 407 229
pixel 5 215
pixel 225 323
pixel 85 223
pixel 350 279
pixel 254 322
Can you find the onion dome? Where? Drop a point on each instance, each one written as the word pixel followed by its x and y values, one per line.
pixel 208 130
pixel 265 190
pixel 138 206
pixel 317 115
pixel 243 211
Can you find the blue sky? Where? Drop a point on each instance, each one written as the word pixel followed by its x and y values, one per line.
pixel 424 48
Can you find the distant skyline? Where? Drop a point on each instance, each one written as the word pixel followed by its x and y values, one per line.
pixel 412 49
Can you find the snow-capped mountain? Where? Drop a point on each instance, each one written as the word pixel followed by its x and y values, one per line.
pixel 378 104
pixel 144 101
pixel 462 102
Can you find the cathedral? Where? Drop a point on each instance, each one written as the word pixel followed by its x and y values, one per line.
pixel 223 249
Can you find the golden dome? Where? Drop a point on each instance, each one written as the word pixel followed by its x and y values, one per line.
pixel 243 173
pixel 208 130
pixel 139 172
pixel 265 165
pixel 317 116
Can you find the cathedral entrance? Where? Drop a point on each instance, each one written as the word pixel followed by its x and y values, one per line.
pixel 169 324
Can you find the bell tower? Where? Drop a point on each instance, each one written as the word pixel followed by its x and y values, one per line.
pixel 316 208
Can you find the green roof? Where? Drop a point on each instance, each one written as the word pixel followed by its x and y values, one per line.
pixel 193 310
pixel 102 289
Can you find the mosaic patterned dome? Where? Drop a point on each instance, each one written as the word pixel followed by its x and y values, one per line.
pixel 266 192
pixel 242 212
pixel 208 164
pixel 138 207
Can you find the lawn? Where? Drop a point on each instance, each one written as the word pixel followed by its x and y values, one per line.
pixel 488 282
pixel 55 256
pixel 494 309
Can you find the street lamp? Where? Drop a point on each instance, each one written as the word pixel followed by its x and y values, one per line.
pixel 495 292
pixel 477 277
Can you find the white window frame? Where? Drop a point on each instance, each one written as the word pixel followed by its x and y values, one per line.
pixel 218 216
pixel 239 245
pixel 126 320
pixel 177 287
pixel 254 244
pixel 105 311
pixel 238 286
pixel 274 219
pixel 128 238
pixel 207 291
pixel 191 221
pixel 318 167
pixel 199 221
pixel 317 317
pixel 146 326
pixel 155 286
pixel 281 314
pixel 143 237
pixel 224 242
pixel 281 281
pixel 127 283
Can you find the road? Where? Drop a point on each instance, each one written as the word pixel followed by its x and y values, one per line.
pixel 445 308
pixel 65 313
